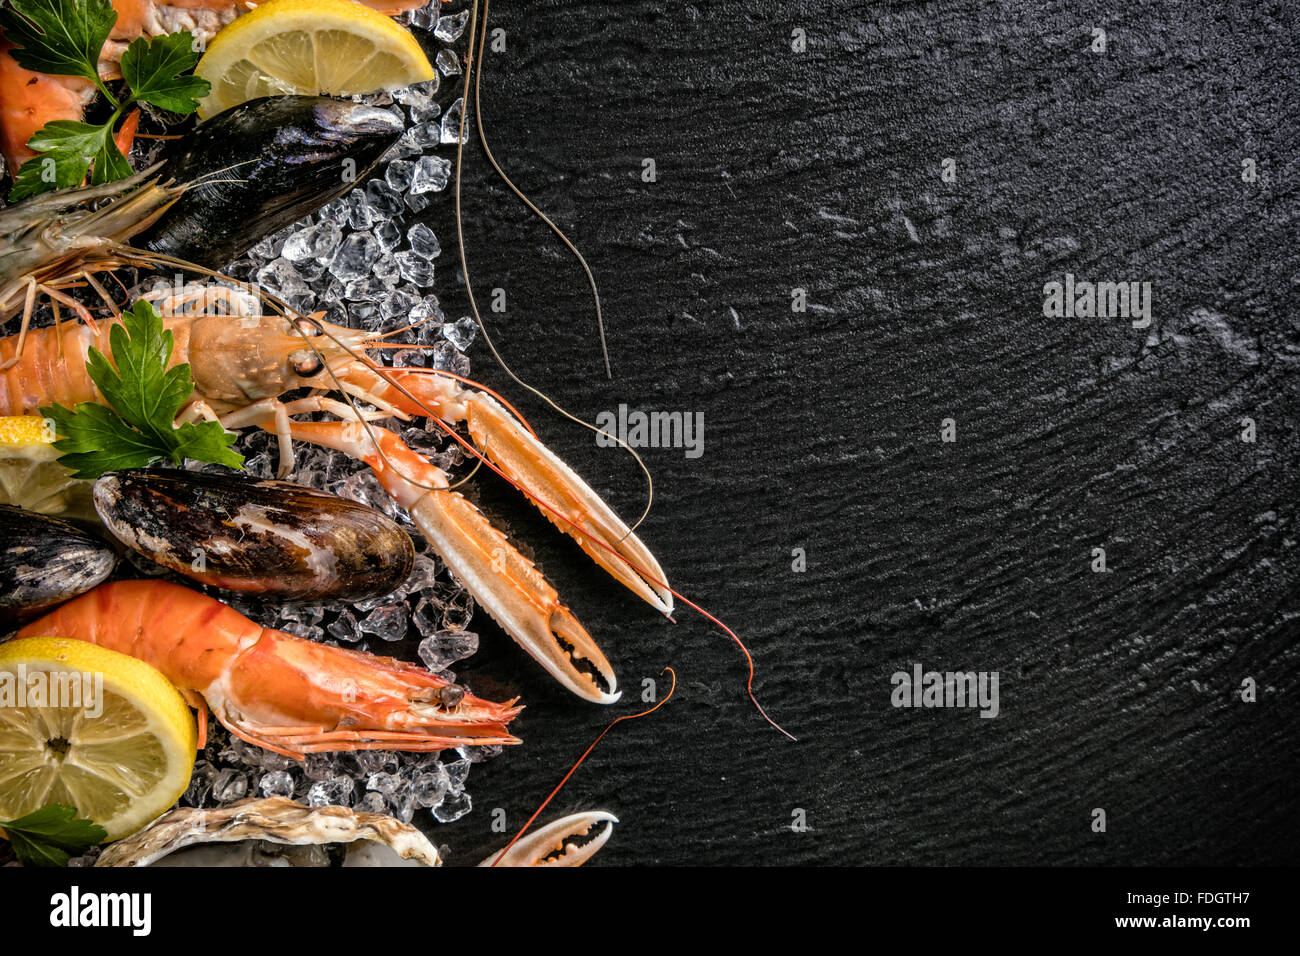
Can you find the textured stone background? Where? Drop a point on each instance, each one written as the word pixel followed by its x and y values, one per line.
pixel 779 170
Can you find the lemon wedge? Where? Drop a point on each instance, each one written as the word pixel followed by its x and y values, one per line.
pixel 334 47
pixel 110 736
pixel 30 475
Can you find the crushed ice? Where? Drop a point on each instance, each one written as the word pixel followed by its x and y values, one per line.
pixel 368 259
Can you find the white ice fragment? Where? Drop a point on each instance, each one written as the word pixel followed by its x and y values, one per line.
pixel 415 268
pixel 389 236
pixel 452 807
pixel 344 628
pixel 398 175
pixel 277 784
pixel 281 278
pixel 444 648
pixel 331 792
pixel 383 202
pixel 355 256
pixel 448 63
pixel 460 333
pixel 431 173
pixel 315 242
pixel 450 27
pixel 386 622
pixel 423 241
pixel 451 123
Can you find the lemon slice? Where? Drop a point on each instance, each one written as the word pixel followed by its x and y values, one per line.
pixel 336 47
pixel 111 737
pixel 30 476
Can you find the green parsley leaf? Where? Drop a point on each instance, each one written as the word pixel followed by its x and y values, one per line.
pixel 65 38
pixel 50 835
pixel 153 68
pixel 68 150
pixel 145 397
pixel 60 37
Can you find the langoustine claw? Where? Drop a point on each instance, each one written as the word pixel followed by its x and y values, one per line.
pixel 564 842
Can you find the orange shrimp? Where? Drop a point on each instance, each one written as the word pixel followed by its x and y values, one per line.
pixel 274 690
pixel 30 100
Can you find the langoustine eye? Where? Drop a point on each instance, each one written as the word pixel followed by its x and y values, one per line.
pixel 306 363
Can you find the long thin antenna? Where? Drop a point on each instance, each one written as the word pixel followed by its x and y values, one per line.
pixel 472 65
pixel 487 151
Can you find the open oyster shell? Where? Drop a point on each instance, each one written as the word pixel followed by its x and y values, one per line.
pixel 233 836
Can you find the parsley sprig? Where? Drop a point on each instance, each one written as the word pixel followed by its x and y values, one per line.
pixel 64 38
pixel 145 397
pixel 51 835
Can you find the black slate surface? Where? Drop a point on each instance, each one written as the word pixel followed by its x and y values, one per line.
pixel 821 170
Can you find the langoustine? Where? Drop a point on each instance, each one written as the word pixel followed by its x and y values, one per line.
pixel 242 363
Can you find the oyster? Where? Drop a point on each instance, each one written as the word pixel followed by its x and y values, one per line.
pixel 247 834
pixel 267 537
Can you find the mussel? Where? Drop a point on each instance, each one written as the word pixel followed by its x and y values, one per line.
pixel 274 831
pixel 260 166
pixel 267 537
pixel 44 562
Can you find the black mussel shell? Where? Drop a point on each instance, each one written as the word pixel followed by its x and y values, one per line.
pixel 45 561
pixel 260 166
pixel 266 537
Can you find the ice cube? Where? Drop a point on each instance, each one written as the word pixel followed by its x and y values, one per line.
pixel 389 236
pixel 398 175
pixel 201 780
pixel 281 278
pixel 430 787
pixel 457 611
pixel 415 268
pixel 423 242
pixel 461 332
pixel 383 202
pixel 333 791
pixel 426 133
pixel 444 648
pixel 366 289
pixel 360 213
pixel 387 622
pixel 431 173
pixel 426 17
pixel 452 807
pixel 480 754
pixel 398 305
pixel 373 761
pixel 386 269
pixel 404 806
pixel 457 772
pixel 451 123
pixel 344 628
pixel 450 27
pixel 449 358
pixel 354 257
pixel 277 784
pixel 230 785
pixel 447 62
pixel 385 783
pixel 314 242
